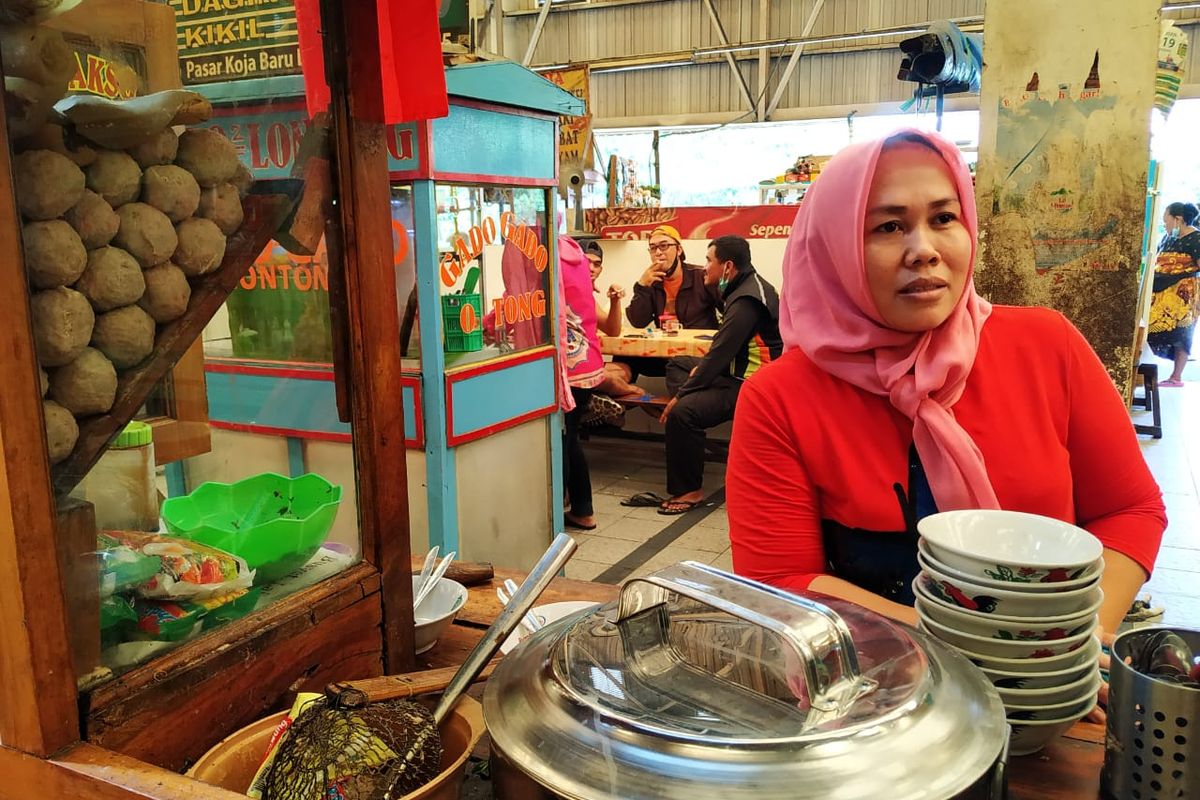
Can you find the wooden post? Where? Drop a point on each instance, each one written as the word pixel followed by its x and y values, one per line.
pixel 374 370
pixel 38 712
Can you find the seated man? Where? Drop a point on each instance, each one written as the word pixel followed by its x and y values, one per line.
pixel 668 286
pixel 704 390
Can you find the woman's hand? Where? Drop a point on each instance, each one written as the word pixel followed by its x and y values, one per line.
pixel 1098 714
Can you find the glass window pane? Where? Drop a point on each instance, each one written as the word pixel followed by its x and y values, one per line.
pixel 132 223
pixel 493 273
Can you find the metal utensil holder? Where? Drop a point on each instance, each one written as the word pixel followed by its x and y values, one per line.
pixel 1152 746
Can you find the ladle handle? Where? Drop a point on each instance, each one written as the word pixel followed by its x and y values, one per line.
pixel 814 632
pixel 552 561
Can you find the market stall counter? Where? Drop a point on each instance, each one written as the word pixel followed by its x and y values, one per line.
pixel 1067 769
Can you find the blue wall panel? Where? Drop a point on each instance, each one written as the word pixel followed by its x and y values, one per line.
pixel 495 397
pixel 481 142
pixel 292 403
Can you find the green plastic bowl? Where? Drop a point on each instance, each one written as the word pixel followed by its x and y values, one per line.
pixel 275 523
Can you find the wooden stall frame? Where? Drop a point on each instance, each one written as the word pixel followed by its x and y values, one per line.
pixel 39 714
pixel 37 679
pixel 375 374
pixel 183 431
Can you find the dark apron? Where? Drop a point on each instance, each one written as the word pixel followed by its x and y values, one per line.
pixel 883 562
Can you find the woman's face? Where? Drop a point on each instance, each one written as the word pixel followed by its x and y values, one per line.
pixel 916 249
pixel 1173 224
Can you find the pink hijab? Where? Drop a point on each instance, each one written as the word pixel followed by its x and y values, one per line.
pixel 827 312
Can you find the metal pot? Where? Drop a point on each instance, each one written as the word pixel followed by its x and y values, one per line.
pixel 702 685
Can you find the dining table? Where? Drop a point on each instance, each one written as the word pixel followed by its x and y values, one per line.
pixel 1066 769
pixel 633 343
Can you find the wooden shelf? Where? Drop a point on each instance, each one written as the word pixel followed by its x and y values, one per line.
pixel 266 207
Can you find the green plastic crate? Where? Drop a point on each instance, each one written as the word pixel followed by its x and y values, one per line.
pixel 454 339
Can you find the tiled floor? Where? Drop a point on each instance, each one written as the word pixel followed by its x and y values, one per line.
pixel 635 540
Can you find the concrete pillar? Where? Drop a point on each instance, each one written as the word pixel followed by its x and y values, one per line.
pixel 1064 149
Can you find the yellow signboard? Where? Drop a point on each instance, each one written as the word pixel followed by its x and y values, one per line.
pixel 574 133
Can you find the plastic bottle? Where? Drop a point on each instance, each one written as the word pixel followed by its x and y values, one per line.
pixel 121 486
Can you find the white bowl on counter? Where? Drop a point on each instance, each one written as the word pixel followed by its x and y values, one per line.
pixel 1010 545
pixel 1029 737
pixel 1004 648
pixel 1075 707
pixel 989 600
pixel 1051 695
pixel 437 611
pixel 1007 679
pixel 1006 628
pixel 1089 576
pixel 1088 655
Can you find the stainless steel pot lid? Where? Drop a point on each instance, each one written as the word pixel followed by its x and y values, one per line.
pixel 700 684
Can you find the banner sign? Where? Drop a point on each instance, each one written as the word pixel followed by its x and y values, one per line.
pixel 695 222
pixel 574 139
pixel 267 138
pixel 229 40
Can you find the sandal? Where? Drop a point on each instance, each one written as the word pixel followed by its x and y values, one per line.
pixel 673 508
pixel 570 523
pixel 1170 382
pixel 644 500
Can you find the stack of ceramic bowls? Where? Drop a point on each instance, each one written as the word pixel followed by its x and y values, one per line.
pixel 1017 594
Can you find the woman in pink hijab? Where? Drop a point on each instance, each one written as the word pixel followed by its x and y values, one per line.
pixel 903 392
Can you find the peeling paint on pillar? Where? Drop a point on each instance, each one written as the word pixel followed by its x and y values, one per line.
pixel 1064 151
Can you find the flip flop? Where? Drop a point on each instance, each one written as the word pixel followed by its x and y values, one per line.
pixel 570 523
pixel 644 500
pixel 685 506
pixel 1170 383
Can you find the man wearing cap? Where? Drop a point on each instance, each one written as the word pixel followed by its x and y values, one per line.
pixel 672 286
pixel 668 286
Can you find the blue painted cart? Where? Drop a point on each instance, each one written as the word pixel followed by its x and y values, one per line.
pixel 473 213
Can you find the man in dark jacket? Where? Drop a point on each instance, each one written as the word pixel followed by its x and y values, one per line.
pixel 668 286
pixel 704 390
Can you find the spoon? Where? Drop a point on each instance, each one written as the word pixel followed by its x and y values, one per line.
pixel 1166 655
pixel 530 622
pixel 434 577
pixel 426 569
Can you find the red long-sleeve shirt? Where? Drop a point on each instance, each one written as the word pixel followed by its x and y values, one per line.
pixel 1054 433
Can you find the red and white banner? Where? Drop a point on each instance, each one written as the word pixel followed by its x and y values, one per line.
pixel 694 222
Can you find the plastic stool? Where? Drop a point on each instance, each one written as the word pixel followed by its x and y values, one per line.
pixel 1149 400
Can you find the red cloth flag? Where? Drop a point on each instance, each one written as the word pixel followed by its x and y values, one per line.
pixel 410 46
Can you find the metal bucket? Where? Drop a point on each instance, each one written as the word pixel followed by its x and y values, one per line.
pixel 1152 746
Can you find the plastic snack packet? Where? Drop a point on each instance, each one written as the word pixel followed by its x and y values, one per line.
pixel 186 569
pixel 303 700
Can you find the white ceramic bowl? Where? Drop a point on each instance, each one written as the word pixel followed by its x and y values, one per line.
pixel 437 611
pixel 1088 655
pixel 1007 649
pixel 1028 629
pixel 1007 679
pixel 1010 545
pixel 1089 576
pixel 1073 707
pixel 988 600
pixel 1029 737
pixel 1022 630
pixel 1051 695
pixel 550 612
